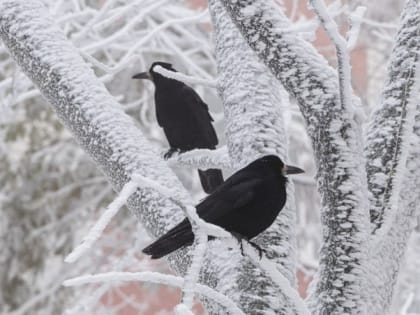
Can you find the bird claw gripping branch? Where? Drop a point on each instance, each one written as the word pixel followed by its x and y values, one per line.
pixel 170 152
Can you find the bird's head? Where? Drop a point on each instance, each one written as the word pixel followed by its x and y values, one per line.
pixel 276 163
pixel 152 74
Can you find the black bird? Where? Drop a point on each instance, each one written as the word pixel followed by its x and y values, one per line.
pixel 185 119
pixel 246 204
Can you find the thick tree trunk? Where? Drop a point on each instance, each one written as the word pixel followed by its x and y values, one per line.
pixel 336 141
pixel 393 164
pixel 255 127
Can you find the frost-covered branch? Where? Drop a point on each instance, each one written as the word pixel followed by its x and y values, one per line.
pixel 277 276
pixel 130 55
pixel 355 22
pixel 203 159
pixel 254 127
pixel 343 55
pixel 100 225
pixel 393 162
pixel 336 142
pixel 158 278
pixel 385 135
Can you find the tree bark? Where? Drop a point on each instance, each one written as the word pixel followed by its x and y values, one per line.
pixel 393 164
pixel 255 127
pixel 336 141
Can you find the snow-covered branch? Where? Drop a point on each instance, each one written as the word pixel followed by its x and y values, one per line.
pixel 336 142
pixel 100 225
pixel 203 159
pixel 343 54
pixel 154 277
pixel 393 162
pixel 254 127
pixel 355 22
pixel 272 271
pixel 385 135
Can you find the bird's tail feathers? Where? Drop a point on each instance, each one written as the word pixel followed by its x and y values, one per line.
pixel 210 179
pixel 181 235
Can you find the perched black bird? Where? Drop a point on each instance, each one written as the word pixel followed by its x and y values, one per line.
pixel 246 204
pixel 185 119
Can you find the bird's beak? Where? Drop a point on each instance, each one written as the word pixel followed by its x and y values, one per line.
pixel 289 170
pixel 143 75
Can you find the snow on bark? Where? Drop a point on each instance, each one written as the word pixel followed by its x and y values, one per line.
pixel 279 279
pixel 254 122
pixel 385 134
pixel 335 137
pixel 384 263
pixel 203 159
pixel 110 137
pixel 254 127
pixel 393 164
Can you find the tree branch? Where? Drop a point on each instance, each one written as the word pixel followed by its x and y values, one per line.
pixel 385 132
pixel 254 122
pixel 336 140
pixel 394 162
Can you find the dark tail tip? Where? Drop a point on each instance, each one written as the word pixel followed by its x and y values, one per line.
pixel 166 245
pixel 210 179
pixel 154 254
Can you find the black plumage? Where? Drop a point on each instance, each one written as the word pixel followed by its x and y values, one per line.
pixel 185 119
pixel 246 204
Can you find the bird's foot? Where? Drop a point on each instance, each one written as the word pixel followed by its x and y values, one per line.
pixel 260 250
pixel 240 238
pixel 170 152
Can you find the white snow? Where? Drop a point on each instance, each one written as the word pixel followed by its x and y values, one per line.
pixel 100 225
pixel 184 78
pixel 154 277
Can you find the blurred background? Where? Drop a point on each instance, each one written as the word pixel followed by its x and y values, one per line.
pixel 51 192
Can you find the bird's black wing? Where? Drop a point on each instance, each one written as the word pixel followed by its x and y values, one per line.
pixel 235 193
pixel 193 98
pixel 200 111
pixel 232 195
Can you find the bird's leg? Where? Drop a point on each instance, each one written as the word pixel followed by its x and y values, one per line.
pixel 258 248
pixel 240 238
pixel 170 152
